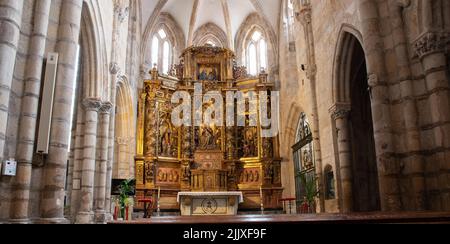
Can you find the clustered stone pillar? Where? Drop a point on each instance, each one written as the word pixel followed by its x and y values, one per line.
pixel 10 22
pixel 340 114
pixel 388 167
pixel 111 142
pixel 430 48
pixel 306 21
pixel 29 111
pixel 85 212
pixel 100 201
pixel 77 164
pixel 414 161
pixel 53 191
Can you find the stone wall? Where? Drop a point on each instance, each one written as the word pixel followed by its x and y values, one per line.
pixel 409 97
pixel 20 196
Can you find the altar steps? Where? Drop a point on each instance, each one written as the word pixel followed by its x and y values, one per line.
pixel 356 218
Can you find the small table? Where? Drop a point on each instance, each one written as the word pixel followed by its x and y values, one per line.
pixel 289 200
pixel 148 206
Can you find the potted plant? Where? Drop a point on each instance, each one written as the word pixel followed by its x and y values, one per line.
pixel 311 193
pixel 126 190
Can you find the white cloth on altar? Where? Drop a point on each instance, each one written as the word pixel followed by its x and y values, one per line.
pixel 211 194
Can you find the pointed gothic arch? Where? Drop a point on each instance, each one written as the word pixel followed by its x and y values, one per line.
pixel 210 31
pixel 124 149
pixel 355 136
pixel 174 33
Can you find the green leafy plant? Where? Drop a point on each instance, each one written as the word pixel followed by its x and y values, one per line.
pixel 126 190
pixel 310 186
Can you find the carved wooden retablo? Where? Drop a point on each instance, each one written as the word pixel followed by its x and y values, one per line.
pixel 204 157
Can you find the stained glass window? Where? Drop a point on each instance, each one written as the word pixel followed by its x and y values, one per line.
pixel 304 163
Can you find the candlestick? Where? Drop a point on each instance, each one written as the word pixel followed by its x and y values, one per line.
pixel 262 199
pixel 159 206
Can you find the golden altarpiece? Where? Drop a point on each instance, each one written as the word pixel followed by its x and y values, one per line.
pixel 204 158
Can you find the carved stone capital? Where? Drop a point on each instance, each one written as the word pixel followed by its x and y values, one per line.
pixel 430 42
pixel 403 3
pixel 304 14
pixel 92 104
pixel 121 79
pixel 106 108
pixel 340 111
pixel 114 68
pixel 121 10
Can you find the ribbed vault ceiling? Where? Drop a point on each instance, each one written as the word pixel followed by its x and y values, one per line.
pixel 226 14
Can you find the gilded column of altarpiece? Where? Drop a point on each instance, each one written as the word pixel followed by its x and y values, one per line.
pixel 205 157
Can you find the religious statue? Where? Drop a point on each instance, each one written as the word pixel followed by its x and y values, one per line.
pixel 173 71
pixel 269 171
pixel 149 172
pixel 307 159
pixel 250 143
pixel 203 75
pixel 186 173
pixel 212 75
pixel 209 137
pixel 166 140
pixel 267 148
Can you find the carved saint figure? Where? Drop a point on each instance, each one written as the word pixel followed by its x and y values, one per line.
pixel 209 137
pixel 203 75
pixel 166 140
pixel 249 145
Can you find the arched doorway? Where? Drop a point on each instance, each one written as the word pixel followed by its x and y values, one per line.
pixel 365 176
pixel 304 166
pixel 352 112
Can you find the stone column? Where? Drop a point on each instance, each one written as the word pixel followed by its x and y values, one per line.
pixel 340 113
pixel 306 21
pixel 100 213
pixel 10 22
pixel 414 161
pixel 121 12
pixel 77 165
pixel 123 169
pixel 85 213
pixel 114 69
pixel 29 111
pixel 53 191
pixel 430 48
pixel 388 167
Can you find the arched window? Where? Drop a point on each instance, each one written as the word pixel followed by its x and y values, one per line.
pixel 211 43
pixel 330 192
pixel 304 163
pixel 166 53
pixel 161 51
pixel 256 53
pixel 155 50
pixel 252 60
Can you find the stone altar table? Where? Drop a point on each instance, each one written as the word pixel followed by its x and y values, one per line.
pixel 209 203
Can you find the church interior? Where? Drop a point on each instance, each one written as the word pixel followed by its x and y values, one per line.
pixel 170 110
